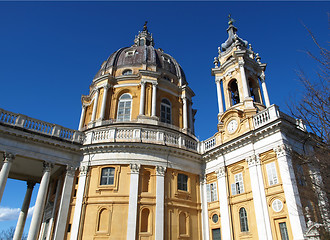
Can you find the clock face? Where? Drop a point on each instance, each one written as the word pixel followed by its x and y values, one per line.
pixel 232 126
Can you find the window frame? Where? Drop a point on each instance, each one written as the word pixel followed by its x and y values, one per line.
pixel 124 101
pixel 108 176
pixel 286 233
pixel 243 220
pixel 238 186
pixel 113 187
pixel 211 192
pixel 127 72
pixel 184 184
pixel 272 175
pixel 167 106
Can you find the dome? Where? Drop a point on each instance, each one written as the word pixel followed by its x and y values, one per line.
pixel 142 53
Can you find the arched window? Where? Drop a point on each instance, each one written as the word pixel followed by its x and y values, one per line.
pixel 234 94
pixel 145 220
pixel 103 221
pixel 107 176
pixel 243 220
pixel 165 111
pixel 254 93
pixel 124 108
pixel 127 72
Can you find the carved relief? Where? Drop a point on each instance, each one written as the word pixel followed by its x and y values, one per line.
pixel 135 168
pixel 221 172
pixel 282 150
pixel 8 157
pixel 160 171
pixel 253 160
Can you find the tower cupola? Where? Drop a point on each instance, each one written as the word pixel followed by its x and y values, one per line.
pixel 239 74
pixel 144 37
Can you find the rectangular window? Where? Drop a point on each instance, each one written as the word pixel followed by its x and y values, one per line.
pixel 108 176
pixel 211 192
pixel 238 186
pixel 216 234
pixel 284 231
pixel 182 182
pixel 271 173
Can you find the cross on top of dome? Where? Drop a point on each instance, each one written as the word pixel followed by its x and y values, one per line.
pixel 144 37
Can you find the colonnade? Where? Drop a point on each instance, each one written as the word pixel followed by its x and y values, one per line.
pixel 38 212
pixel 245 88
pixel 186 104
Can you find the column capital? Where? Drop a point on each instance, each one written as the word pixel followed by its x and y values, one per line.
pixel 135 168
pixel 282 150
pixel 262 76
pixel 143 81
pixel 253 160
pixel 160 171
pixel 218 79
pixel 8 157
pixel 107 86
pixel 47 167
pixel 241 62
pixel 83 170
pixel 154 84
pixel 30 184
pixel 70 171
pixel 202 179
pixel 221 172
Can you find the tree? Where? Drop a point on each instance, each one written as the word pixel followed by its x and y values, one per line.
pixel 314 109
pixel 8 234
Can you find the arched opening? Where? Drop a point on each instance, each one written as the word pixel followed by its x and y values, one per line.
pixel 103 220
pixel 253 89
pixel 182 224
pixel 165 111
pixel 234 94
pixel 145 220
pixel 124 108
pixel 243 220
pixel 127 72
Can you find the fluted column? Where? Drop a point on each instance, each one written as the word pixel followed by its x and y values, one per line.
pixel 96 100
pixel 154 99
pixel 79 201
pixel 133 197
pixel 259 198
pixel 160 200
pixel 223 200
pixel 104 100
pixel 264 89
pixel 40 202
pixel 64 204
pixel 205 212
pixel 296 216
pixel 142 97
pixel 243 79
pixel 82 117
pixel 24 212
pixel 185 111
pixel 219 93
pixel 7 161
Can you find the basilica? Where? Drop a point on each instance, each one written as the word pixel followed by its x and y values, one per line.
pixel 135 169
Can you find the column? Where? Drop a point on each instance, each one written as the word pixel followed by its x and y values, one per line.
pixel 38 211
pixel 259 198
pixel 79 201
pixel 185 111
pixel 64 204
pixel 51 221
pixel 223 200
pixel 264 89
pixel 160 202
pixel 205 212
pixel 82 117
pixel 190 116
pixel 133 197
pixel 96 99
pixel 219 93
pixel 142 96
pixel 243 79
pixel 24 212
pixel 7 161
pixel 154 99
pixel 296 217
pixel 104 100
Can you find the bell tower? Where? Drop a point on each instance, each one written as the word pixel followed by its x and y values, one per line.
pixel 239 74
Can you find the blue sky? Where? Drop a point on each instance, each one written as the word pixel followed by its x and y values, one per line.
pixel 50 51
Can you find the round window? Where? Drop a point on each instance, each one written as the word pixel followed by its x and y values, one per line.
pixel 215 218
pixel 277 205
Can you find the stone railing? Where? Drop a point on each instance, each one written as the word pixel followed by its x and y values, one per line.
pixel 142 134
pixel 41 127
pixel 266 116
pixel 207 144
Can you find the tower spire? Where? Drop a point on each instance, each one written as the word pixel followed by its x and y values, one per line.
pixel 144 37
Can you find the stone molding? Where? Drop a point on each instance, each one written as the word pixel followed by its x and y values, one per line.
pixel 8 157
pixel 135 168
pixel 253 160
pixel 221 172
pixel 160 171
pixel 282 150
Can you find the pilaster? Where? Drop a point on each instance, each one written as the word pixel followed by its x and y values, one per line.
pixel 160 188
pixel 205 217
